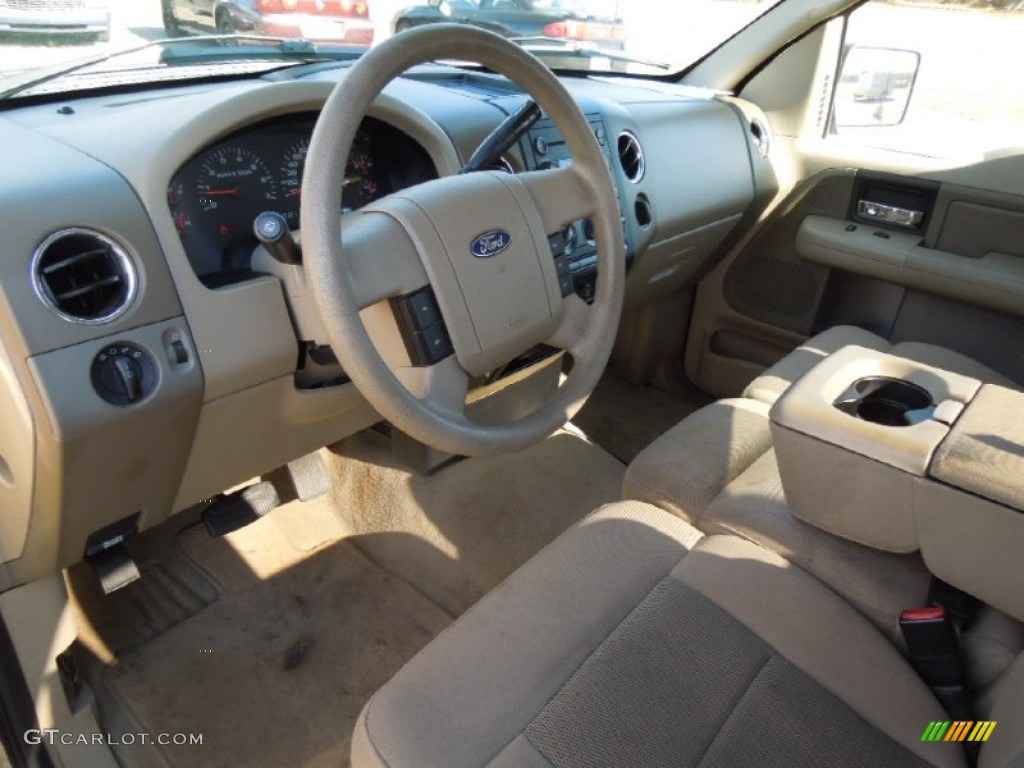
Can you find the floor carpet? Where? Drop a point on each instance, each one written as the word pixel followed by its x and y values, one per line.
pixel 625 418
pixel 276 671
pixel 270 640
pixel 460 532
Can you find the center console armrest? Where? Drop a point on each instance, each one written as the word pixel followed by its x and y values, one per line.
pixel 900 456
pixel 856 434
pixel 970 516
pixel 984 452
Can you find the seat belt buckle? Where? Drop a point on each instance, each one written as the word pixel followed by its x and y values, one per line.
pixel 934 645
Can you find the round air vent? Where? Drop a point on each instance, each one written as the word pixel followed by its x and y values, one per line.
pixel 762 138
pixel 83 276
pixel 642 211
pixel 631 157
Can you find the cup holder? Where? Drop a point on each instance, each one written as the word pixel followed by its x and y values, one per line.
pixel 886 401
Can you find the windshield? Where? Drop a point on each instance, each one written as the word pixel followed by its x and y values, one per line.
pixel 39 38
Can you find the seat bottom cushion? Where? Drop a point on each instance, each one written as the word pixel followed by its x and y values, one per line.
pixel 716 469
pixel 633 640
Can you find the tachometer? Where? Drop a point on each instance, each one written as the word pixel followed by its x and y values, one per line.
pixel 358 188
pixel 290 174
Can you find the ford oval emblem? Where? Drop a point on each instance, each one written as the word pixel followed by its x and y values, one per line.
pixel 490 243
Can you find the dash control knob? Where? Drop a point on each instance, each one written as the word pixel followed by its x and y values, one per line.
pixel 123 374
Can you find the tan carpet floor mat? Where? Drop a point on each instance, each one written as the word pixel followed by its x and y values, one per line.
pixel 276 671
pixel 270 640
pixel 172 588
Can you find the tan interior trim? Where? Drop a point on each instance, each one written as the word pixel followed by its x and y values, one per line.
pixel 40 621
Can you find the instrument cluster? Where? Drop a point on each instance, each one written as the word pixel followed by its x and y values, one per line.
pixel 215 196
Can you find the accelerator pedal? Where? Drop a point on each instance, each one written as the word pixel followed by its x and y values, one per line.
pixel 309 477
pixel 236 510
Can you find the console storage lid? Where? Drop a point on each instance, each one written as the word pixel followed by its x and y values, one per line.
pixel 984 451
pixel 969 514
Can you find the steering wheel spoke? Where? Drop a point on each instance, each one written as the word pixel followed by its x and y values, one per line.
pixel 443 386
pixel 571 335
pixel 561 195
pixel 380 260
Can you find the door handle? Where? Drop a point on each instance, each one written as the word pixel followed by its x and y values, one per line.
pixel 889 214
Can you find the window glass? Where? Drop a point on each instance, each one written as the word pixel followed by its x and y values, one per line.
pixel 968 92
pixel 632 36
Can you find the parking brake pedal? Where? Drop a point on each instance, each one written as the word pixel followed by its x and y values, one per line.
pixel 309 476
pixel 238 509
pixel 106 555
pixel 113 567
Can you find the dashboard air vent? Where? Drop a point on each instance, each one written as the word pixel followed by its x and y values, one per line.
pixel 631 157
pixel 762 139
pixel 83 276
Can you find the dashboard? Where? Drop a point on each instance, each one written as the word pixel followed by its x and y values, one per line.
pixel 150 357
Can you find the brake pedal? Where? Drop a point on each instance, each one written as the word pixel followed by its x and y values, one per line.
pixel 309 476
pixel 239 509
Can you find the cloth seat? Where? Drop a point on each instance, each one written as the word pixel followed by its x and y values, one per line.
pixel 633 639
pixel 716 469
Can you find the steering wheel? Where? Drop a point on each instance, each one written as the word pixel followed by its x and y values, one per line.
pixel 478 240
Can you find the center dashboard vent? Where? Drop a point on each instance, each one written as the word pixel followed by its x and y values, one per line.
pixel 631 157
pixel 83 276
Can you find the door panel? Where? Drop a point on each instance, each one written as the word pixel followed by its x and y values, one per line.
pixel 762 300
pixel 957 279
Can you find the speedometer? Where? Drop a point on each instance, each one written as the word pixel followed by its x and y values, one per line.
pixel 234 178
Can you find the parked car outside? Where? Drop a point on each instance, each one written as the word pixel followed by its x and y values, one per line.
pixel 560 19
pixel 336 21
pixel 48 17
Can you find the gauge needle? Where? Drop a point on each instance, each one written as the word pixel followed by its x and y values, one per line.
pixel 220 191
pixel 348 180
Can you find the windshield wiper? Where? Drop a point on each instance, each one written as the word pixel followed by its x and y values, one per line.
pixel 187 51
pixel 542 44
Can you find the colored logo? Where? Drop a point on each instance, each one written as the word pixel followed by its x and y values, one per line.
pixel 959 730
pixel 490 243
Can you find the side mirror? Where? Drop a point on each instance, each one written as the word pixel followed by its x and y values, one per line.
pixel 874 86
